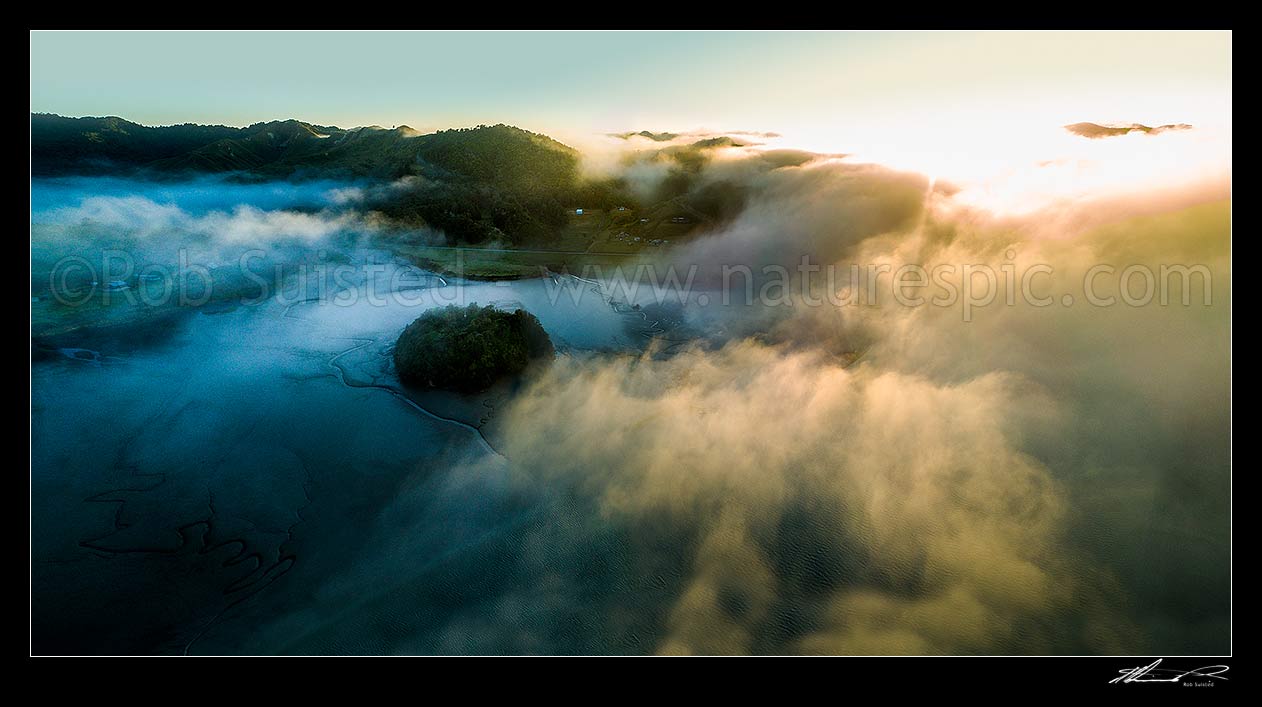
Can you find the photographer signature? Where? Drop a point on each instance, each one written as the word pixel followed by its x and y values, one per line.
pixel 1152 673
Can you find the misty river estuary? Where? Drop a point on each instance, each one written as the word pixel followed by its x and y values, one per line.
pixel 253 479
pixel 250 477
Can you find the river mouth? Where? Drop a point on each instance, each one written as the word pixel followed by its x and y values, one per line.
pixel 217 429
pixel 253 449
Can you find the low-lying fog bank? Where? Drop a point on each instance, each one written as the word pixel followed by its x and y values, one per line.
pixel 1040 464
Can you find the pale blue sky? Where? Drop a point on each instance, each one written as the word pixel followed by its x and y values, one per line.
pixel 423 79
pixel 575 83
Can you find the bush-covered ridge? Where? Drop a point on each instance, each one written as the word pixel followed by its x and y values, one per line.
pixel 498 154
pixel 468 349
pixel 100 145
pixel 487 183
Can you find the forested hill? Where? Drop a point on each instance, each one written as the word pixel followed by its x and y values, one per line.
pixel 477 184
pixel 102 145
pixel 487 184
pixel 287 148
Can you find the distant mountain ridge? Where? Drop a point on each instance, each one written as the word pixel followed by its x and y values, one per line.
pixel 293 148
pixel 62 145
pixel 1095 131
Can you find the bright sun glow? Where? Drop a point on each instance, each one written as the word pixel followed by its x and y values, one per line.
pixel 1016 166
